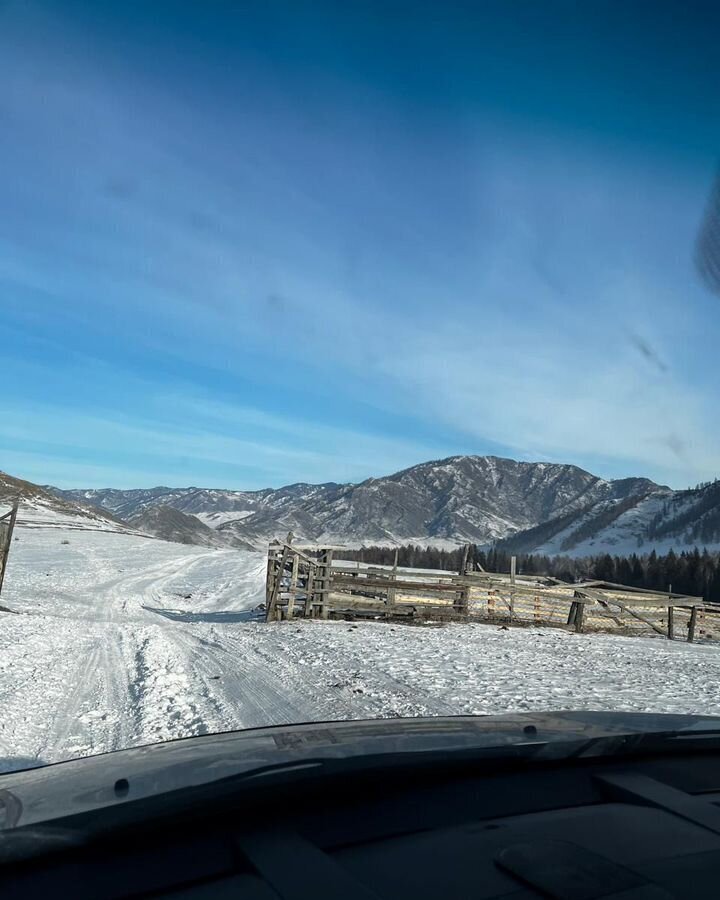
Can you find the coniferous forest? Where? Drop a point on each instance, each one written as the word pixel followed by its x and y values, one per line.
pixel 692 572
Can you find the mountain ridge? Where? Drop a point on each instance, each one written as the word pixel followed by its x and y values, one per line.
pixel 481 499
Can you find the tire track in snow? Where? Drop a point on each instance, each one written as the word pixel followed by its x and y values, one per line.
pixel 244 690
pixel 95 715
pixel 336 675
pixel 160 690
pixel 128 686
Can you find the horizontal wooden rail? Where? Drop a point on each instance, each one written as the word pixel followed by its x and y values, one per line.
pixel 343 582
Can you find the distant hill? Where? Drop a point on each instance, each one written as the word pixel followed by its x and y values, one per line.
pixel 40 506
pixel 172 525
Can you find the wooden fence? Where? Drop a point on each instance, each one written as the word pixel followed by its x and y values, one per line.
pixel 7 526
pixel 305 581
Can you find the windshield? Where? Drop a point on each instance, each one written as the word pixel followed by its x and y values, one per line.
pixel 359 361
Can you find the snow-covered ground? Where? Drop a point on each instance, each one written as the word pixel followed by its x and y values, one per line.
pixel 122 640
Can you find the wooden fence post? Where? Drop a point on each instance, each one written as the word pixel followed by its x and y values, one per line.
pixel 393 576
pixel 462 600
pixel 309 592
pixel 272 560
pixel 8 521
pixel 671 622
pixel 579 617
pixel 463 563
pixel 327 582
pixel 691 625
pixel 270 612
pixel 323 578
pixel 513 562
pixel 293 586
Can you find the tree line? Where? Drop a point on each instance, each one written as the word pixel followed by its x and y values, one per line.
pixel 689 572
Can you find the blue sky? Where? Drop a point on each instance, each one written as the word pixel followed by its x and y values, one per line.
pixel 250 244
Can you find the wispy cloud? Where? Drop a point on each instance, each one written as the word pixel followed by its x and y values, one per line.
pixel 219 286
pixel 180 436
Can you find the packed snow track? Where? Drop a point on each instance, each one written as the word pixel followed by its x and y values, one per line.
pixel 114 640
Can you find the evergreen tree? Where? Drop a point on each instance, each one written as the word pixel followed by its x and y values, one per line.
pixel 690 572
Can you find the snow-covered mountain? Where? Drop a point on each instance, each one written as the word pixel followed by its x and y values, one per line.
pixel 173 525
pixel 126 504
pixel 660 520
pixel 462 498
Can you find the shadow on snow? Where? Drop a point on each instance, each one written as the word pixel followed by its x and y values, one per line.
pixel 180 615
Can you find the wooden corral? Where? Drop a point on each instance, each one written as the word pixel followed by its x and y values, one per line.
pixel 304 581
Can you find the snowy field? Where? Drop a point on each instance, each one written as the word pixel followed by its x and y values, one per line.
pixel 121 640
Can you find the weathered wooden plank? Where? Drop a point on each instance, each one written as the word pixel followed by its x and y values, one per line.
pixel 608 614
pixel 513 564
pixel 270 577
pixel 346 582
pixel 310 560
pixel 272 603
pixel 479 578
pixel 325 578
pixel 579 617
pixel 541 583
pixel 441 586
pixel 393 577
pixel 311 547
pixel 463 595
pixel 293 586
pixel 422 576
pixel 463 563
pixel 310 592
pixel 631 589
pixel 657 601
pixel 613 601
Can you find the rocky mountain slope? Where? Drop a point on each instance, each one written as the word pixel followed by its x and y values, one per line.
pixel 39 506
pixel 173 525
pixel 661 520
pixel 462 498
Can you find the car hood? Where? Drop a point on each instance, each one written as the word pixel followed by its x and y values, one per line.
pixel 49 792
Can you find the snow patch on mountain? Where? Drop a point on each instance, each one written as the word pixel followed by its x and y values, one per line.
pixel 216 519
